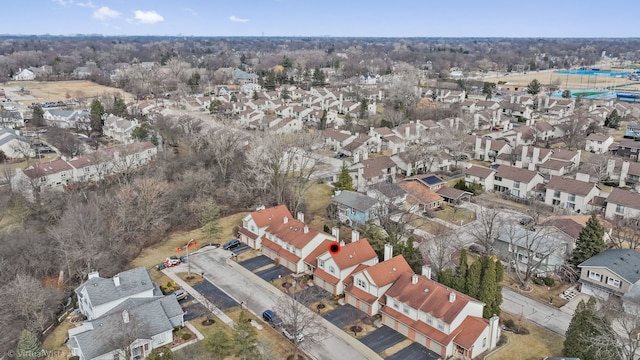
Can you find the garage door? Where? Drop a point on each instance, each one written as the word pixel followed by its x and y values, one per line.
pixel 420 339
pixel 435 347
pixel 364 307
pixel 351 300
pixel 403 329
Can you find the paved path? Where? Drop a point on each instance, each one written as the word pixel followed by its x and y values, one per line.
pixel 536 311
pixel 257 295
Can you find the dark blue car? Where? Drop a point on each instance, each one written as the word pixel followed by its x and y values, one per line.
pixel 232 244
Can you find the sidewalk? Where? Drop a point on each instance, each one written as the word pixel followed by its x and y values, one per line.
pixel 196 295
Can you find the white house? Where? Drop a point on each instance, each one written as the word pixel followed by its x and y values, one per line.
pixel 13 145
pixel 119 129
pixel 24 75
pixel 515 181
pixel 597 143
pixel 66 119
pixel 11 119
pixel 479 175
pixel 570 194
pixel 622 204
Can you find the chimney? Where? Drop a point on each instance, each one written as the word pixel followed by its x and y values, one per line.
pixel 300 216
pixel 624 171
pixel 414 279
pixel 116 280
pixel 285 219
pixel 388 251
pixel 407 132
pixel 125 316
pixel 523 156
pixel 536 155
pixel 342 243
pixel 365 155
pixel 93 275
pixel 494 331
pixel 356 157
pixel 487 148
pixel 306 229
pixel 426 271
pixel 355 235
pixel 335 231
pixel 452 296
pixel 478 149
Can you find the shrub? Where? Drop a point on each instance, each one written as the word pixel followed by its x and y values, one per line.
pixel 538 281
pixel 74 358
pixel 185 336
pixel 549 281
pixel 509 324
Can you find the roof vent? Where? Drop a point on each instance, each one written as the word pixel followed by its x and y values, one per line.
pixel 394 269
pixel 426 290
pixel 350 256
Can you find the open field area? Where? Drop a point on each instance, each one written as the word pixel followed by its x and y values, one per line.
pixel 573 82
pixel 41 91
pixel 538 344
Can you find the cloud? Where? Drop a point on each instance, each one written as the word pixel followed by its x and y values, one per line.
pixel 237 19
pixel 105 13
pixel 148 17
pixel 87 4
pixel 63 2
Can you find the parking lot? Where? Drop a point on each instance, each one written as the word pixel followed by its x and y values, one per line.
pixel 216 296
pixel 273 273
pixel 414 351
pixel 383 338
pixel 344 315
pixel 256 262
pixel 241 249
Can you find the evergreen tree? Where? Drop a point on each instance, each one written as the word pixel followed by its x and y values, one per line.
pixel 534 87
pixel 410 253
pixel 613 120
pixel 460 278
pixel 95 115
pixel 319 78
pixel 474 277
pixel 589 243
pixel 214 106
pixel 566 94
pixel 233 98
pixel 255 95
pixel 209 219
pixel 29 347
pixel 363 108
pixel 284 94
pixel 218 344
pixel 141 132
pixel 497 299
pixel 576 343
pixel 446 277
pixel 488 285
pixel 245 338
pixel 119 108
pixel 345 182
pixel 37 117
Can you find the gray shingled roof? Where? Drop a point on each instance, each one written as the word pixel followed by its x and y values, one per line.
pixel 623 262
pixel 146 319
pixel 355 200
pixel 101 290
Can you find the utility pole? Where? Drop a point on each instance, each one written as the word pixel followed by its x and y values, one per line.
pixel 188 261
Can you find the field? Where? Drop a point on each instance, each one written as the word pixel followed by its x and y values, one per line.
pixel 574 82
pixel 41 91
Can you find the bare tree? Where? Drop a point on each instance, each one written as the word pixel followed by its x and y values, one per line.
pixel 393 117
pixel 598 166
pixel 625 234
pixel 298 319
pixel 488 224
pixel 440 247
pixel 622 340
pixel 574 129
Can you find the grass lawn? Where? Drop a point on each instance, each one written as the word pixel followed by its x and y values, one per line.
pixel 456 215
pixel 538 292
pixel 317 198
pixel 427 225
pixel 538 344
pixel 55 341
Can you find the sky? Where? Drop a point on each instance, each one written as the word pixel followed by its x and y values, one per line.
pixel 336 18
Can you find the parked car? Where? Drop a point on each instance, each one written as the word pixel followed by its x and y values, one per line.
pixel 271 318
pixel 169 262
pixel 180 294
pixel 183 259
pixel 231 244
pixel 288 332
pixel 526 221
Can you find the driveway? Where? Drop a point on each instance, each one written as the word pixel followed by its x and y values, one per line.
pixel 538 312
pixel 256 262
pixel 383 338
pixel 240 249
pixel 414 351
pixel 273 273
pixel 344 315
pixel 194 310
pixel 312 294
pixel 216 296
pixel 257 296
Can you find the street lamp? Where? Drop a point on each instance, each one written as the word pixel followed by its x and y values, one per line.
pixel 189 262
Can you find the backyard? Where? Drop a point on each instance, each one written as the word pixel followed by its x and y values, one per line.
pixel 456 215
pixel 535 346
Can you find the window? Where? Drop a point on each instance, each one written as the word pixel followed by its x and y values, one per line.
pixel 556 194
pixel 516 184
pixel 571 206
pixel 613 282
pixel 484 342
pixel 43 179
pixel 555 202
pixel 594 276
pixel 405 309
pixel 440 325
pixel 515 192
pixel 429 319
pixel 497 178
pixel 396 304
pixel 572 197
pixel 146 347
pixel 321 263
pixel 361 283
pixel 332 270
pixel 620 209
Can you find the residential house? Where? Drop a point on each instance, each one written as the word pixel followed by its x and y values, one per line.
pixel 623 204
pixel 566 193
pixel 387 194
pixel 419 197
pixel 544 130
pixel 479 175
pixel 525 157
pixel 366 287
pixel 453 195
pixel 633 131
pixel 630 175
pixel 572 158
pixel 598 143
pixel 522 246
pixel 356 208
pixel 127 303
pixel 611 272
pixel 281 237
pixel 446 321
pixel 334 268
pixel 628 149
pixel 68 119
pixel 337 139
pixel 487 149
pixel 14 145
pixel 24 75
pixel 554 168
pixel 241 77
pixel 119 129
pixel 515 181
pixel 11 119
pixel 373 171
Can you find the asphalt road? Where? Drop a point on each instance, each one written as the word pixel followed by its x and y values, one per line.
pixel 256 298
pixel 540 313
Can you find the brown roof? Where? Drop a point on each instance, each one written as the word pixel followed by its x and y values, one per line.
pixel 293 232
pixel 383 131
pixel 567 226
pixel 543 151
pixel 312 258
pixel 543 126
pixel 597 137
pixel 280 251
pixel 479 171
pixel 353 254
pixel 360 294
pixel 634 168
pixel 562 154
pixel 336 134
pixel 572 186
pixel 44 169
pixel 554 164
pixel 470 330
pixel 386 272
pixel 267 216
pixel 451 193
pixel 318 272
pixel 517 174
pixel 625 198
pixel 420 192
pixel 373 167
